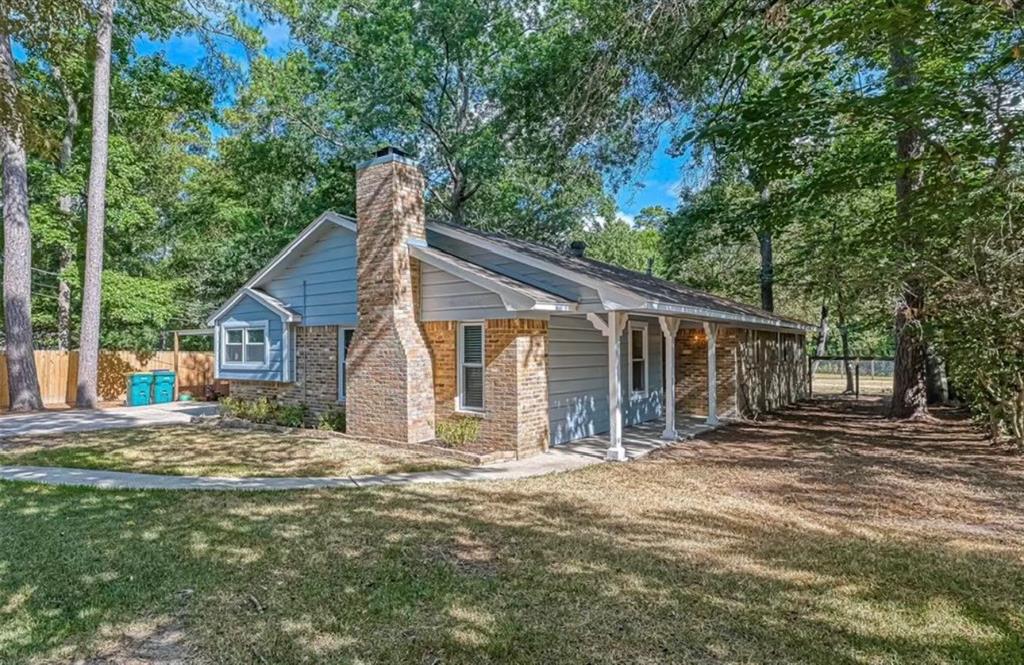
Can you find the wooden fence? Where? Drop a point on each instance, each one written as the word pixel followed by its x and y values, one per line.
pixel 58 373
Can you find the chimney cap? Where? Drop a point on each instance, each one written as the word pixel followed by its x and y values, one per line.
pixel 577 248
pixel 388 153
pixel 390 150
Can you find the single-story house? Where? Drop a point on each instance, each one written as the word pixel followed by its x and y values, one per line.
pixel 406 323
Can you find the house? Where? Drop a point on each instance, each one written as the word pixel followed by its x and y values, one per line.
pixel 406 323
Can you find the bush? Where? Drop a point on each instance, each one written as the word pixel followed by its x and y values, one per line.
pixel 456 432
pixel 264 411
pixel 332 420
pixel 234 407
pixel 289 416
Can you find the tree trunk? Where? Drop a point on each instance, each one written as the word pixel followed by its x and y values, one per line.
pixel 909 385
pixel 89 337
pixel 767 274
pixel 938 387
pixel 66 205
pixel 909 389
pixel 22 380
pixel 844 335
pixel 822 345
pixel 64 302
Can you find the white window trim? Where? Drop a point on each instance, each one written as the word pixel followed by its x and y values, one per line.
pixel 251 325
pixel 342 355
pixel 641 326
pixel 459 342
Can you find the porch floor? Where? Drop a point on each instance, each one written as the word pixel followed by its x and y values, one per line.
pixel 639 440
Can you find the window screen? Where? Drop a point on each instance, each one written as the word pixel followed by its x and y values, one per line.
pixel 233 345
pixel 255 345
pixel 245 346
pixel 638 359
pixel 346 342
pixel 471 360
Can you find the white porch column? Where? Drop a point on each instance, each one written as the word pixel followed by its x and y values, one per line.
pixel 613 331
pixel 669 328
pixel 711 329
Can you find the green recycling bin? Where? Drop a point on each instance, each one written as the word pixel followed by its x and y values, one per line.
pixel 140 388
pixel 163 386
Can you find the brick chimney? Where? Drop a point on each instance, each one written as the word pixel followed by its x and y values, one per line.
pixel 390 390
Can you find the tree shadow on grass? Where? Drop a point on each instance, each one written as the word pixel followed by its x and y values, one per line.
pixel 594 567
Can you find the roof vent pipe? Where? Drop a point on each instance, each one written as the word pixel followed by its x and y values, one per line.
pixel 577 248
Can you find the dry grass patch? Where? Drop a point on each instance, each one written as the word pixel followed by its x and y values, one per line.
pixel 209 451
pixel 824 536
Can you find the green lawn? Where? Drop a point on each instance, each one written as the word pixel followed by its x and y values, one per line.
pixel 817 538
pixel 208 451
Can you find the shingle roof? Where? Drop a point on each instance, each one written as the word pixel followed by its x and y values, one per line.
pixel 539 296
pixel 638 283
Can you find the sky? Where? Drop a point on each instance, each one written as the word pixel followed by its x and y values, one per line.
pixel 656 182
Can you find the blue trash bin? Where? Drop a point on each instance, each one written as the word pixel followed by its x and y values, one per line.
pixel 163 386
pixel 140 386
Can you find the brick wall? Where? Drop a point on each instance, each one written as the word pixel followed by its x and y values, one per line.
pixel 316 374
pixel 772 370
pixel 388 360
pixel 757 371
pixel 692 371
pixel 515 382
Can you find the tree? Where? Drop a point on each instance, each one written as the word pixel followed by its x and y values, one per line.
pixel 89 337
pixel 451 81
pixel 23 383
pixel 615 241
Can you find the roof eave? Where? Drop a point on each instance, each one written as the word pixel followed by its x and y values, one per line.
pixel 707 314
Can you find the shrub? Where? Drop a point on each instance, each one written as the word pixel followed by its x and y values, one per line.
pixel 289 416
pixel 233 407
pixel 332 420
pixel 260 411
pixel 263 411
pixel 457 432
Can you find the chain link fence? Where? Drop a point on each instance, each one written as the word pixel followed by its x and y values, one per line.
pixel 867 376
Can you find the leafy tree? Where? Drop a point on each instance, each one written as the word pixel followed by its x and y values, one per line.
pixel 444 78
pixel 615 241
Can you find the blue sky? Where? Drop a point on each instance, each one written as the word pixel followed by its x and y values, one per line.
pixel 655 183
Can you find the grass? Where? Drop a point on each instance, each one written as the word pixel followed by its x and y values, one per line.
pixel 207 451
pixel 821 537
pixel 835 384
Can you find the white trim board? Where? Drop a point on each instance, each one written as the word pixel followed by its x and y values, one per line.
pixel 275 305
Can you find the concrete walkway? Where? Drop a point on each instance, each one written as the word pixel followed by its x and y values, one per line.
pixel 81 420
pixel 638 441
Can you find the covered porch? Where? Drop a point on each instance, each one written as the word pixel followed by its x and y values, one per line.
pixel 639 440
pixel 625 443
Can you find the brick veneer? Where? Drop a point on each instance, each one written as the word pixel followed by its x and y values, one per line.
pixel 515 382
pixel 388 360
pixel 316 374
pixel 692 371
pixel 757 371
pixel 772 370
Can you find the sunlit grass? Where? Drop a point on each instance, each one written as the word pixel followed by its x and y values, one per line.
pixel 208 451
pixel 811 539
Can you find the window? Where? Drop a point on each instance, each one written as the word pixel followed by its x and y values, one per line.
pixel 471 367
pixel 638 357
pixel 245 346
pixel 344 341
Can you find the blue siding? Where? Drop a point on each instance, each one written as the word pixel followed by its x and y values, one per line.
pixel 251 312
pixel 535 277
pixel 445 297
pixel 578 379
pixel 328 266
